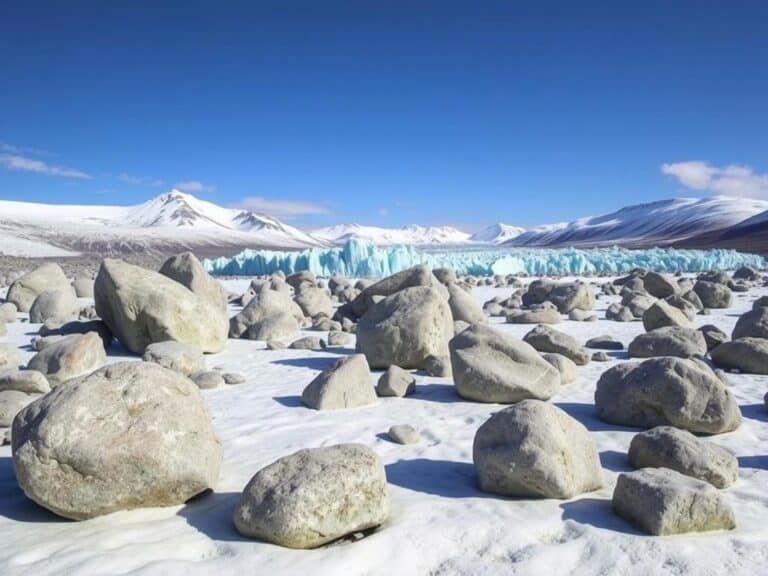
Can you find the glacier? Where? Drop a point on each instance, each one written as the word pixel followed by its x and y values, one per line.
pixel 361 259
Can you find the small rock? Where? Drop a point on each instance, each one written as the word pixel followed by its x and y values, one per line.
pixel 404 434
pixel 207 379
pixel 308 343
pixel 233 378
pixel 396 382
pixel 604 343
pixel 183 358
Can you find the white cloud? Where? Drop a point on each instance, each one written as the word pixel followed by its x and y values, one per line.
pixel 21 163
pixel 194 186
pixel 730 180
pixel 282 208
pixel 139 180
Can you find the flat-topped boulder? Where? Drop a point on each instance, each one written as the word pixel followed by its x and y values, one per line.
pixel 748 355
pixel 669 341
pixel 547 339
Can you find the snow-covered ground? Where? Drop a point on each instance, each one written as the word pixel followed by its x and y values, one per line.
pixel 440 522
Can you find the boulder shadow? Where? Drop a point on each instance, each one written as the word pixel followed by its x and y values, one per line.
pixel 615 461
pixel 587 415
pixel 438 477
pixel 319 363
pixel 117 350
pixel 597 512
pixel 289 401
pixel 759 462
pixel 210 513
pixel 14 505
pixel 754 412
pixel 442 393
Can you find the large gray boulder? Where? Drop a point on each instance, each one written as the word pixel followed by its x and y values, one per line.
pixel 666 391
pixel 11 403
pixel 29 381
pixel 535 449
pixel 69 357
pixel 660 285
pixel 661 314
pixel 25 289
pixel 183 358
pixel 59 304
pixel 269 315
pixel 187 270
pixel 464 307
pixel 547 339
pixel 130 435
pixel 83 287
pixel 489 366
pixel 669 341
pixel 141 307
pixel 314 301
pixel 537 316
pixel 660 502
pixel 566 366
pixel 314 496
pixel 679 450
pixel 405 329
pixel 637 302
pixel 346 384
pixel 749 355
pixel 413 277
pixel 572 296
pixel 713 294
pixel 396 382
pixel 752 324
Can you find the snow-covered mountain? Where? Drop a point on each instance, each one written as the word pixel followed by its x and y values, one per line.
pixel 497 233
pixel 169 222
pixel 664 222
pixel 417 235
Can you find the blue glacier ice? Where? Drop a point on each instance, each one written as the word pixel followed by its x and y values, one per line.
pixel 359 258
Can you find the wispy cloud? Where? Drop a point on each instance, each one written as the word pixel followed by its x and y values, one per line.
pixel 730 180
pixel 140 180
pixel 194 186
pixel 282 208
pixel 22 163
pixel 24 150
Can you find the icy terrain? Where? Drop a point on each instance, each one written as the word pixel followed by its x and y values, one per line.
pixel 440 522
pixel 363 259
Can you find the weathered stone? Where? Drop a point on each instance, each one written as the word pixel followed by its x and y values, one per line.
pixel 129 435
pixel 713 294
pixel 753 324
pixel 346 384
pixel 546 339
pixel 69 357
pixel 187 270
pixel 404 434
pixel 535 449
pixel 662 314
pixel 669 341
pixel 315 496
pixel 183 358
pixel 29 381
pixel 566 366
pixel 25 289
pixel 60 304
pixel 396 382
pixel 749 355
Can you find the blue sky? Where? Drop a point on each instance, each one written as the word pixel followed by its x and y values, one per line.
pixel 388 112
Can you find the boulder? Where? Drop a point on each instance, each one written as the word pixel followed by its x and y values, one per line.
pixel 749 355
pixel 752 324
pixel 187 270
pixel 346 384
pixel 464 307
pixel 546 339
pixel 396 382
pixel 233 378
pixel 660 285
pixel 129 435
pixel 662 314
pixel 69 357
pixel 684 305
pixel 314 301
pixel 660 502
pixel 183 358
pixel 83 287
pixel 669 341
pixel 405 329
pixel 713 336
pixel 619 313
pixel 404 434
pixel 540 316
pixel 679 450
pixel 25 289
pixel 566 366
pixel 713 294
pixel 315 496
pixel 141 307
pixel 747 273
pixel 489 366
pixel 419 276
pixel 29 381
pixel 604 343
pixel 79 327
pixel 338 338
pixel 534 449
pixel 308 343
pixel 578 315
pixel 8 312
pixel 638 302
pixel 269 315
pixel 573 296
pixel 12 402
pixel 9 357
pixel 207 379
pixel 58 304
pixel 666 391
